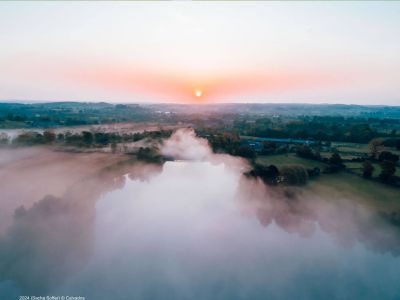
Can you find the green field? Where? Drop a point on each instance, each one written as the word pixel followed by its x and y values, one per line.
pixel 342 155
pixel 351 187
pixel 357 167
pixel 349 148
pixel 7 124
pixel 289 159
pixel 342 186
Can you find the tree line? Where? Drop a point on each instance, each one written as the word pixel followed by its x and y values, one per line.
pixel 86 139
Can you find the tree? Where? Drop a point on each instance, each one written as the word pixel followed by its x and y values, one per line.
pixel 314 172
pixel 28 138
pixel 386 155
pixel 305 152
pixel 336 160
pixel 368 169
pixel 49 137
pixel 60 137
pixel 268 174
pixel 87 137
pixel 388 170
pixel 294 175
pixel 375 147
pixel 151 155
pixel 101 138
pixel 268 147
pixel 246 151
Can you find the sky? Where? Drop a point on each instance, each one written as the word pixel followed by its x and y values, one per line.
pixel 201 52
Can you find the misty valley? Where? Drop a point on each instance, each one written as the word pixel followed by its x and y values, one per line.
pixel 199 150
pixel 195 203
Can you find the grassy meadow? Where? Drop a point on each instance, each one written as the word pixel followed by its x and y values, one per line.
pixel 342 185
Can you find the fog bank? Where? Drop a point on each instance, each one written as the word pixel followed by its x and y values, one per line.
pixel 192 229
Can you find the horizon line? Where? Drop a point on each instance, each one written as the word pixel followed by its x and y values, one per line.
pixel 15 101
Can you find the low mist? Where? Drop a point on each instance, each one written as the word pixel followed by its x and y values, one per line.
pixel 105 226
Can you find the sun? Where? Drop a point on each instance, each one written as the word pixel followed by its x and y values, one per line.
pixel 198 93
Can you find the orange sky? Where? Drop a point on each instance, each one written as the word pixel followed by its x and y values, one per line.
pixel 230 51
pixel 182 87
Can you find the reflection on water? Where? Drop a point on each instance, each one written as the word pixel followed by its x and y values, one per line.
pixel 53 239
pixel 189 234
pixel 200 231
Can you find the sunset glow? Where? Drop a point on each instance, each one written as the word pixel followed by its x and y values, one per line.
pixel 257 52
pixel 198 93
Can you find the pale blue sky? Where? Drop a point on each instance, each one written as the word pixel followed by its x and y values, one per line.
pixel 337 52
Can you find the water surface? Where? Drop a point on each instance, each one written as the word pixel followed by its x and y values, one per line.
pixel 187 234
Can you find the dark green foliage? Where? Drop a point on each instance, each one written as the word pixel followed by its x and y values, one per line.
pixel 318 128
pixel 101 138
pixel 314 172
pixel 293 175
pixel 388 170
pixel 223 142
pixel 49 137
pixel 368 169
pixel 375 146
pixel 246 151
pixel 391 142
pixel 30 138
pixel 268 147
pixel 149 155
pixel 229 142
pixel 268 174
pixel 45 115
pixel 60 138
pixel 336 160
pixel 335 164
pixel 307 152
pixel 87 137
pixel 386 155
